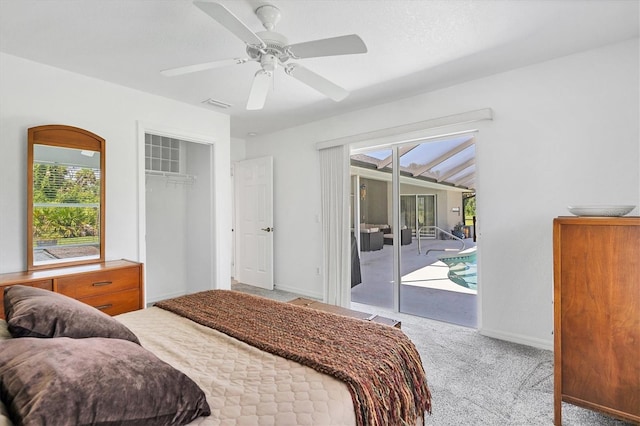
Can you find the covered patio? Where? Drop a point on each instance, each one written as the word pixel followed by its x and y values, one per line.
pixel 426 289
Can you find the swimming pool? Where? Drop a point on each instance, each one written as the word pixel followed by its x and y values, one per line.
pixel 463 268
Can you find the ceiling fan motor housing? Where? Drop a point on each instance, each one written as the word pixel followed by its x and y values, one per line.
pixel 275 45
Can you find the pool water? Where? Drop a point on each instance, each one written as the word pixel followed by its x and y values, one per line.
pixel 463 269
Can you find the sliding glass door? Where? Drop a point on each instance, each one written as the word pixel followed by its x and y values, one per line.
pixel 418 213
pixel 406 200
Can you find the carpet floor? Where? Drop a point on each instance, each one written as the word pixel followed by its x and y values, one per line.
pixel 477 380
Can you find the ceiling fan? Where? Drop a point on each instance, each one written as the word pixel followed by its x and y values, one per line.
pixel 272 49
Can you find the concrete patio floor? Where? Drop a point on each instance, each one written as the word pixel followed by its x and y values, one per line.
pixel 426 290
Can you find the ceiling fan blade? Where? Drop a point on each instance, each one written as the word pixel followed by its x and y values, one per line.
pixel 230 22
pixel 343 45
pixel 201 67
pixel 317 82
pixel 259 89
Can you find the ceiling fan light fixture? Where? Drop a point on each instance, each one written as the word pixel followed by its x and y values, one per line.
pixel 268 63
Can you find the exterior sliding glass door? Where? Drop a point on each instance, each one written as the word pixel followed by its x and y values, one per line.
pixel 406 202
pixel 418 213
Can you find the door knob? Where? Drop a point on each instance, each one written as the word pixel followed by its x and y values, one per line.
pixel 267 229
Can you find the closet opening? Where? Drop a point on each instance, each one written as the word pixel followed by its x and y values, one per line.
pixel 179 231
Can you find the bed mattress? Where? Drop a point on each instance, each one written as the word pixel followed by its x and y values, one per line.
pixel 243 385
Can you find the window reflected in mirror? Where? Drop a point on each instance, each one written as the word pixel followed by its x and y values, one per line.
pixel 66 204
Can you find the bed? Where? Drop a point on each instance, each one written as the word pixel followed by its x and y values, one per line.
pixel 237 350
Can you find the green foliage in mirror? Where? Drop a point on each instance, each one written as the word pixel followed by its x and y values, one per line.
pixel 66 205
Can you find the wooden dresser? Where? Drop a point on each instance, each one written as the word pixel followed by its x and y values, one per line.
pixel 597 315
pixel 114 287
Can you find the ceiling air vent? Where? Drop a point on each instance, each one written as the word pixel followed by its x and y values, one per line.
pixel 216 103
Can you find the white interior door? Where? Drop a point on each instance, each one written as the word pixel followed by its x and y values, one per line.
pixel 254 222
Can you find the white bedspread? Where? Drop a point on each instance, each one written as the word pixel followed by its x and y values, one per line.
pixel 244 385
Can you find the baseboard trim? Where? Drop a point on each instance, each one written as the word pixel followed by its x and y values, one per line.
pixel 165 296
pixel 299 291
pixel 518 338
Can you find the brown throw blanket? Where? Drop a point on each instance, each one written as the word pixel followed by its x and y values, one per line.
pixel 379 364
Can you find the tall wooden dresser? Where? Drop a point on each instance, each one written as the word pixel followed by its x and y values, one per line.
pixel 114 287
pixel 597 315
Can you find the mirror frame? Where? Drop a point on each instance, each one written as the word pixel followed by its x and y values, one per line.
pixel 65 137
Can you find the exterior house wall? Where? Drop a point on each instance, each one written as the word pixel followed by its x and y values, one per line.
pixel 454 201
pixel 373 209
pixel 564 132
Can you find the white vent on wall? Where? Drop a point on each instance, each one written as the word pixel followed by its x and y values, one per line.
pixel 216 103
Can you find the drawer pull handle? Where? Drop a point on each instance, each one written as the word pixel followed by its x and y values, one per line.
pixel 101 283
pixel 103 307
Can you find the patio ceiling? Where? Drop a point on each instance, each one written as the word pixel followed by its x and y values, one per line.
pixel 448 162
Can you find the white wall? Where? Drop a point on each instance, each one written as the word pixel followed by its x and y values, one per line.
pixel 238 153
pixel 564 132
pixel 238 149
pixel 32 94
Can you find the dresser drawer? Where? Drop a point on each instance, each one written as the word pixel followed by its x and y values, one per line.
pixel 115 303
pixel 99 283
pixel 114 286
pixel 45 284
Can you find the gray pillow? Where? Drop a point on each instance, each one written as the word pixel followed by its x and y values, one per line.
pixel 34 312
pixel 100 381
pixel 4 332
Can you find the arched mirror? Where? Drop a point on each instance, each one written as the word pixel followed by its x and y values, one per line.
pixel 65 194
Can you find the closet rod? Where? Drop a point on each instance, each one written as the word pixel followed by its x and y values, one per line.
pixel 172 177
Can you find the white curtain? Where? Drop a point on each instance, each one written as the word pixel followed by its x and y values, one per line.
pixel 335 187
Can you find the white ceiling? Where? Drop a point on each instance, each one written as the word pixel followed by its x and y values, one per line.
pixel 414 46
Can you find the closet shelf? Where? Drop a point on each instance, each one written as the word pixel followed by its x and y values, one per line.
pixel 179 178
